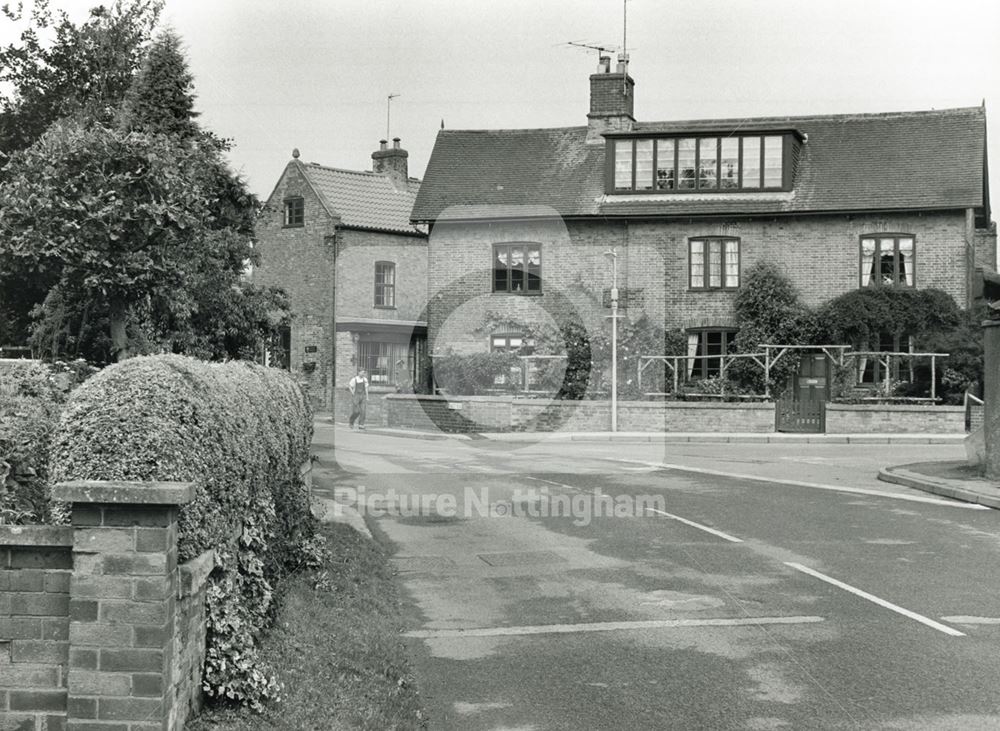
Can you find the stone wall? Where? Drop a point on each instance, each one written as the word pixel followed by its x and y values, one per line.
pixel 894 419
pixel 99 627
pixel 300 259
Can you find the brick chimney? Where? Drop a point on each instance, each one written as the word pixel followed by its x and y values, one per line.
pixel 391 162
pixel 611 100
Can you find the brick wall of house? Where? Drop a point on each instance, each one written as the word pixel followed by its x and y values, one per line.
pixel 301 260
pixel 821 255
pixel 357 252
pixel 986 247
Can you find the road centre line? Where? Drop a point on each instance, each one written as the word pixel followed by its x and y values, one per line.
pixel 699 526
pixel 550 482
pixel 876 600
pixel 546 629
pixel 800 483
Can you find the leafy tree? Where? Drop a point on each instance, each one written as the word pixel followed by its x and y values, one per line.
pixel 161 97
pixel 57 70
pixel 119 217
pixel 84 72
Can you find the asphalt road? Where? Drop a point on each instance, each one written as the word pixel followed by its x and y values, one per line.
pixel 714 599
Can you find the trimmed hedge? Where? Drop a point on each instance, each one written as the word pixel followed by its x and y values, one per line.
pixel 239 431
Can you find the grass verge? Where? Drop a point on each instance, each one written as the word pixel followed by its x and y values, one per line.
pixel 336 648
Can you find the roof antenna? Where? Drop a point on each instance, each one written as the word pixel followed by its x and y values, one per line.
pixel 599 49
pixel 624 53
pixel 388 108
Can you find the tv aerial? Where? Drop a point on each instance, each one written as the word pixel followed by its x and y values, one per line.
pixel 601 50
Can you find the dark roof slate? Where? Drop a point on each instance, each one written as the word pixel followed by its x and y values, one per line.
pixel 365 199
pixel 850 162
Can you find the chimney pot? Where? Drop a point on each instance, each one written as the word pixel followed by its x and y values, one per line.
pixel 383 144
pixel 604 65
pixel 395 143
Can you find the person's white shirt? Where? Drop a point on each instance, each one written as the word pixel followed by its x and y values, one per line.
pixel 354 382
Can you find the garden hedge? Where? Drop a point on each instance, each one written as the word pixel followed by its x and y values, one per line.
pixel 241 433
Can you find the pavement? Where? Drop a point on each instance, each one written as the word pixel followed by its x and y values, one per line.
pixel 954 479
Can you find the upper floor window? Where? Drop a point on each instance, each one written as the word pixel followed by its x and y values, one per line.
pixel 295 212
pixel 385 284
pixel 672 164
pixel 517 268
pixel 714 263
pixel 888 260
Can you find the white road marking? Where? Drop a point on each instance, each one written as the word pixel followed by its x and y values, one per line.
pixel 699 526
pixel 546 629
pixel 799 483
pixel 962 619
pixel 550 482
pixel 881 602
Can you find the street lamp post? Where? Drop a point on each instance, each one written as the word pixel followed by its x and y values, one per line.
pixel 614 337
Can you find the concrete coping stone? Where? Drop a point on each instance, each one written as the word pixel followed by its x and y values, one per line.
pixel 36 535
pixel 921 408
pixel 124 493
pixel 194 573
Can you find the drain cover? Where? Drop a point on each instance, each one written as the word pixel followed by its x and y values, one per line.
pixel 422 563
pixel 521 558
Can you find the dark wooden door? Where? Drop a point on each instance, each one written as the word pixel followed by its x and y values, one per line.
pixel 802 406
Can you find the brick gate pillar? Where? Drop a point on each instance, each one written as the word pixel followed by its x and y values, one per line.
pixel 122 595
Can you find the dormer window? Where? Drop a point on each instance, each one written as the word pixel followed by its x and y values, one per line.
pixel 701 163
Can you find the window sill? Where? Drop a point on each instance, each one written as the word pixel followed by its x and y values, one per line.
pixel 294 225
pixel 384 307
pixel 713 289
pixel 519 294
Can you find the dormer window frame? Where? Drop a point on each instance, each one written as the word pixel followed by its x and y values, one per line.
pixel 633 151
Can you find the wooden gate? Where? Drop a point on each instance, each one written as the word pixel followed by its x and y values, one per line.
pixel 802 406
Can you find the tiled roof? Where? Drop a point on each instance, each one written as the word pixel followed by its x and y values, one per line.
pixel 364 199
pixel 850 162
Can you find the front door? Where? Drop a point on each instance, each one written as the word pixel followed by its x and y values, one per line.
pixel 801 408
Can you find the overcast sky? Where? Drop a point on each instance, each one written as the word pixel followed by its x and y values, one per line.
pixel 314 74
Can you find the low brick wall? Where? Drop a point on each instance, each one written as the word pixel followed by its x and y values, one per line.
pixel 375 415
pixel 99 627
pixel 894 419
pixel 975 416
pixel 188 652
pixel 501 414
pixel 461 414
pixel 35 569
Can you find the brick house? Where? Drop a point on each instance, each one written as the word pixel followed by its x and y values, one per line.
pixel 520 220
pixel 341 244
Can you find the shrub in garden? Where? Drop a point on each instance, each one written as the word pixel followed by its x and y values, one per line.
pixel 240 432
pixel 768 310
pixel 30 400
pixel 475 374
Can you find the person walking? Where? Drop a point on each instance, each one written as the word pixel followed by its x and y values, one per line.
pixel 358 387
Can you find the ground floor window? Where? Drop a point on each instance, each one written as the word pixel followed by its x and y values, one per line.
pixel 871 371
pixel 708 345
pixel 512 343
pixel 391 361
pixel 278 350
